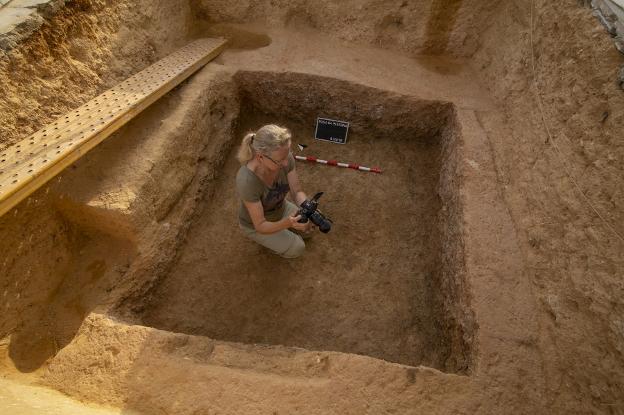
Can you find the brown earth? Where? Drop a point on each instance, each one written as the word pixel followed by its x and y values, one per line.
pixel 480 273
pixel 355 291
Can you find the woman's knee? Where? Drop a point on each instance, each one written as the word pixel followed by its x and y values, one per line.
pixel 296 249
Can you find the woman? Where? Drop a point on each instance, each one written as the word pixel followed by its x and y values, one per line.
pixel 266 176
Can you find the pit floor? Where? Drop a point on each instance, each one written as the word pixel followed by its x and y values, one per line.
pixel 363 288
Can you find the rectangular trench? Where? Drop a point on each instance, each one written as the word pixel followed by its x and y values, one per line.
pixel 386 282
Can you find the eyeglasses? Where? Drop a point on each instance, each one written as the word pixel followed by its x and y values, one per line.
pixel 278 163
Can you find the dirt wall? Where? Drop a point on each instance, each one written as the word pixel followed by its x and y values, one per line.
pixel 85 48
pixel 370 111
pixel 76 53
pixel 559 157
pixel 36 247
pixel 413 27
pixel 453 305
pixel 172 167
pixel 103 229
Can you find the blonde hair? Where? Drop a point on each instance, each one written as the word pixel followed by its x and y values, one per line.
pixel 266 140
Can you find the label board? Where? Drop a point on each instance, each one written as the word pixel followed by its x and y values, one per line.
pixel 331 130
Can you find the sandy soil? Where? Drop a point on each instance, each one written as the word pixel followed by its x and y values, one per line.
pixel 83 50
pixel 415 27
pixel 560 163
pixel 24 399
pixel 519 291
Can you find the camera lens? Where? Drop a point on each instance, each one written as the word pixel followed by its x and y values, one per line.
pixel 320 221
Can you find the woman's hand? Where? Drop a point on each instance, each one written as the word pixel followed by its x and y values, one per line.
pixel 294 223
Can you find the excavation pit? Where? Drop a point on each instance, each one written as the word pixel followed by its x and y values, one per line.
pixel 386 282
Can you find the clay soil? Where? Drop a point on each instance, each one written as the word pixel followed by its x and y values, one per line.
pixel 480 273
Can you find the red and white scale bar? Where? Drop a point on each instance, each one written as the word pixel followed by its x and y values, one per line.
pixel 339 164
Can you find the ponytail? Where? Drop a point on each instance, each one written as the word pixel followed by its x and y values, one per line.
pixel 246 152
pixel 267 139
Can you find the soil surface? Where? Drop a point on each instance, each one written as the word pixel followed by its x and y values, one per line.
pixel 363 288
pixel 491 248
pixel 24 399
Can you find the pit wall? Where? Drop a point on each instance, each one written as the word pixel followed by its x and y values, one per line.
pixel 181 164
pixel 559 157
pixel 370 111
pixel 36 248
pixel 448 27
pixel 457 318
pixel 20 19
pixel 84 48
pixel 50 245
pixel 105 228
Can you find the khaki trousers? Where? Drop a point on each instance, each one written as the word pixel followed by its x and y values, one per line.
pixel 284 243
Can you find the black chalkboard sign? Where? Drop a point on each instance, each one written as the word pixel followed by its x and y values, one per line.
pixel 331 130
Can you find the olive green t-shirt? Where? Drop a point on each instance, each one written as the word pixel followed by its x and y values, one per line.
pixel 251 189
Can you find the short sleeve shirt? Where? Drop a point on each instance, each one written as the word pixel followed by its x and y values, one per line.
pixel 252 189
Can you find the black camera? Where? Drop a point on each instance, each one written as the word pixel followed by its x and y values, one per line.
pixel 308 211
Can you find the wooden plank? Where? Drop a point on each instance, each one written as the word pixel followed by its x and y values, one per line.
pixel 30 163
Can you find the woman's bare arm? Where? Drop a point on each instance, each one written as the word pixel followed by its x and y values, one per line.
pixel 261 225
pixel 296 192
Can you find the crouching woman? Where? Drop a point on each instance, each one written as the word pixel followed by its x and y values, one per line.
pixel 266 177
